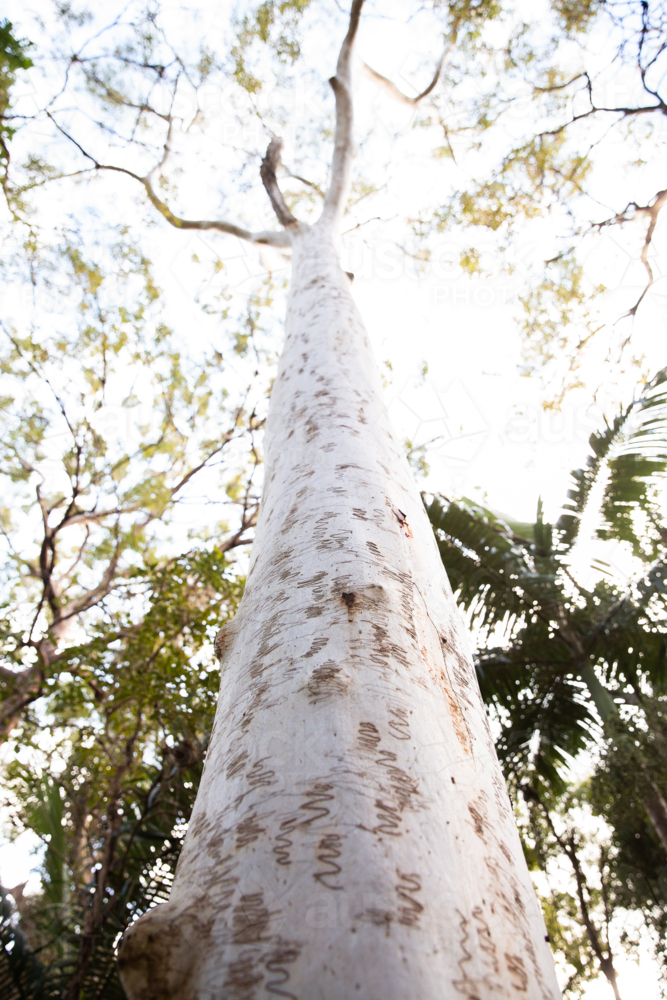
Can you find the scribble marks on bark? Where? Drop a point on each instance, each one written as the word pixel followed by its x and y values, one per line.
pixel 484 940
pixel 487 984
pixel 223 882
pixel 284 841
pixel 248 830
pixel 517 971
pixel 259 776
pixel 318 643
pixel 277 962
pixel 389 817
pixel 456 715
pixel 478 815
pixel 315 802
pixel 237 764
pixel 403 786
pixel 327 681
pixel 329 850
pixel 242 977
pixel 250 919
pixel 407 888
pixel 316 808
pixel 369 736
pixel 398 724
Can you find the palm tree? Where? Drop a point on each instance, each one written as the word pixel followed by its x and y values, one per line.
pixel 578 663
pixel 573 658
pixel 575 663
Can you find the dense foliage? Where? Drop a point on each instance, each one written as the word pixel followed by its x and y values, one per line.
pixel 568 669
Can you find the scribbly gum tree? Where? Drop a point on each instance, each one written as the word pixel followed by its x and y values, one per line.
pixel 352 835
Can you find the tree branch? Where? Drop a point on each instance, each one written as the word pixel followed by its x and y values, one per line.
pixel 268 238
pixel 343 154
pixel 569 848
pixel 267 172
pixel 652 211
pixel 397 94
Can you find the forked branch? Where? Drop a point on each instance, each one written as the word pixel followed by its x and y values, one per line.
pixel 630 213
pixel 398 94
pixel 265 237
pixel 343 154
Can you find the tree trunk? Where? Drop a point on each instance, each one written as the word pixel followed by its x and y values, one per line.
pixel 352 835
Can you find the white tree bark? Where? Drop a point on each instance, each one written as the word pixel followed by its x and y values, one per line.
pixel 352 836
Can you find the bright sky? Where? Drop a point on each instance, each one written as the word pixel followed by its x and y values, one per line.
pixel 491 438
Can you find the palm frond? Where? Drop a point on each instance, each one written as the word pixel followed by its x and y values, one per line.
pixel 499 574
pixel 635 475
pixel 639 436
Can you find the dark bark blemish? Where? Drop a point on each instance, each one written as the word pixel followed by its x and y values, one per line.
pixel 403 521
pixel 223 640
pixel 350 600
pixel 157 955
pixel 379 918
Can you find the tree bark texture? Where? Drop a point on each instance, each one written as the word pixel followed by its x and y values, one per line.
pixel 352 836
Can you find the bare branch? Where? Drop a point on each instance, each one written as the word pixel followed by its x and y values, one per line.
pixel 268 238
pixel 624 112
pixel 304 180
pixel 341 84
pixel 267 172
pixel 397 94
pixel 629 214
pixel 89 599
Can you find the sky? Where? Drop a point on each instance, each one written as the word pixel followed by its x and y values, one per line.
pixel 448 343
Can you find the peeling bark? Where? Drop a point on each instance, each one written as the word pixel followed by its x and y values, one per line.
pixel 352 835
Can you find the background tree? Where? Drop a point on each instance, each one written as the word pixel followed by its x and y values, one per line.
pixel 13 57
pixel 114 440
pixel 566 666
pixel 563 102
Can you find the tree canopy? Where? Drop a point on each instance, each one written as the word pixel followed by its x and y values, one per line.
pixel 135 368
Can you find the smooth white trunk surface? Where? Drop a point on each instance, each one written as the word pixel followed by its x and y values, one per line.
pixel 352 836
